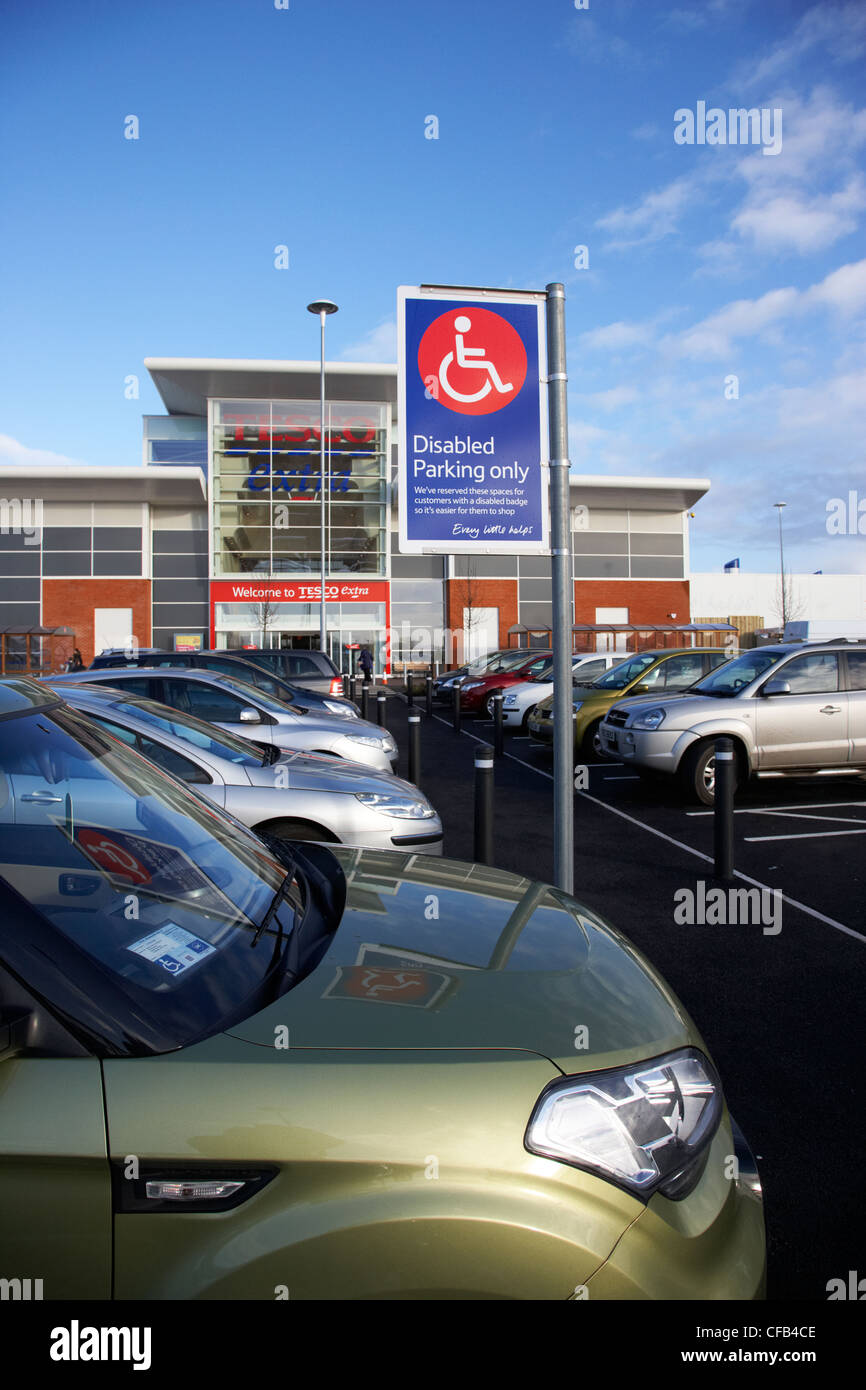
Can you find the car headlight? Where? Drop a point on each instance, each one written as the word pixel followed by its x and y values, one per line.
pixel 646 1127
pixel 369 741
pixel 576 705
pixel 472 685
pixel 392 804
pixel 345 710
pixel 650 719
pixel 511 700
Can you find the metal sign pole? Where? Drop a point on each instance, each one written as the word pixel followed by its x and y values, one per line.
pixel 562 593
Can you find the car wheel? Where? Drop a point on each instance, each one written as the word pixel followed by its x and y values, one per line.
pixel 297 830
pixel 698 773
pixel 592 740
pixel 489 707
pixel 524 723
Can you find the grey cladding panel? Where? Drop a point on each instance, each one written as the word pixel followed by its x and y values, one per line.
pixel 417 567
pixel 656 545
pixel 651 567
pixel 180 591
pixel 60 565
pixel 180 542
pixel 485 566
pixel 599 543
pixel 117 538
pixel 180 566
pixel 600 567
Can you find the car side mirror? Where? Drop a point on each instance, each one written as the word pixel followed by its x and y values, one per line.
pixel 250 716
pixel 639 690
pixel 777 687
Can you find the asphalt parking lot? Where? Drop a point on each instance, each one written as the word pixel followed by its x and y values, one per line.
pixel 780 1004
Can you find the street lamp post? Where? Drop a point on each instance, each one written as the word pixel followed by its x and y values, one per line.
pixel 322 307
pixel 780 505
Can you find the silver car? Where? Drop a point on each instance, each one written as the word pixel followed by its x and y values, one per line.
pixel 294 796
pixel 242 709
pixel 792 711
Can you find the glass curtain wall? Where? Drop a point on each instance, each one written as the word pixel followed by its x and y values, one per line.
pixel 267 481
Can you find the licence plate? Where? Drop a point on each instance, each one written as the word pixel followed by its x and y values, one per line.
pixel 610 739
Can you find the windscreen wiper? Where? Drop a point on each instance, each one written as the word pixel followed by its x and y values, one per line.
pixel 276 902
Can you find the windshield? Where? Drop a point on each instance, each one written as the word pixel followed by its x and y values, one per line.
pixel 161 892
pixel 500 661
pixel 257 697
pixel 618 677
pixel 193 731
pixel 736 674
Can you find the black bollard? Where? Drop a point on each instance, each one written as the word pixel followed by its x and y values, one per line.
pixel 428 691
pixel 498 701
pixel 410 689
pixel 456 689
pixel 365 701
pixel 723 809
pixel 415 749
pixel 353 687
pixel 345 687
pixel 484 804
pixel 381 701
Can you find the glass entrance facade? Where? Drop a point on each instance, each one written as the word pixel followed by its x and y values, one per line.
pixel 267 484
pixel 267 488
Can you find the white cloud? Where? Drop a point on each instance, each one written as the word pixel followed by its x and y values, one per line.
pixel 790 221
pixel 15 454
pixel 612 399
pixel 379 345
pixel 838 30
pixel 843 290
pixel 657 215
pixel 615 336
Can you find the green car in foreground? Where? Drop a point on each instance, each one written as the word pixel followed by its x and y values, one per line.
pixel 236 1069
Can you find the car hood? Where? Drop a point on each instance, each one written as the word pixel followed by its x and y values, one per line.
pixel 459 956
pixel 334 724
pixel 690 707
pixel 318 772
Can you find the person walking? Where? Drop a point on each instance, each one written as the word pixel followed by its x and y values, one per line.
pixel 76 661
pixel 366 663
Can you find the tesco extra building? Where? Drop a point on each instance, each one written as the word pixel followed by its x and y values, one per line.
pixel 214 538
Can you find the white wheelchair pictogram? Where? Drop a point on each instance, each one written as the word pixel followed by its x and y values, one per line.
pixel 465 358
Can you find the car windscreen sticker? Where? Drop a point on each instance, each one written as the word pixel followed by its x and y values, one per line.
pixel 173 948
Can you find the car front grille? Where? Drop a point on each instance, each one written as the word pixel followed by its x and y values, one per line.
pixel 617 717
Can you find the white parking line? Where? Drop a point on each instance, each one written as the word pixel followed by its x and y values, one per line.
pixel 698 854
pixel 805 835
pixel 780 810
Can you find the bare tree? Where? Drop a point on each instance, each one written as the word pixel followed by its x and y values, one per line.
pixel 788 603
pixel 265 614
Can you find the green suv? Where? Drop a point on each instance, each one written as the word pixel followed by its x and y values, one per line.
pixel 662 671
pixel 239 1068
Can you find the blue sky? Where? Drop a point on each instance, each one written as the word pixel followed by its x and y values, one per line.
pixel 305 126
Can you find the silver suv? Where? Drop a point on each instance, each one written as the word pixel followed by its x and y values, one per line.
pixel 792 711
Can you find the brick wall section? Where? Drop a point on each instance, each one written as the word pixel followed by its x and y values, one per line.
pixel 647 600
pixel 485 593
pixel 70 603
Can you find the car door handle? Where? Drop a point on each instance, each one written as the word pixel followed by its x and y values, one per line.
pixel 831 709
pixel 40 796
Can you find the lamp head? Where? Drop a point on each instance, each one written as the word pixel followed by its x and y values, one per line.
pixel 322 306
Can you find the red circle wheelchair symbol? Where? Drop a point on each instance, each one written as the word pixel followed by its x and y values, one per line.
pixel 472 361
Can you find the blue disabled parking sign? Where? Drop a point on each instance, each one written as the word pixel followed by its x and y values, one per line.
pixel 473 422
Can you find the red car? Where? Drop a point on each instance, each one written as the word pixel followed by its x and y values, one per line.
pixel 476 693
